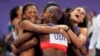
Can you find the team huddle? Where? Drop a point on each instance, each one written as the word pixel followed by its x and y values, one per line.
pixel 55 33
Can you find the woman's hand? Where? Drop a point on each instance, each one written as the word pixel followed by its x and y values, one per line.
pixel 14 49
pixel 64 27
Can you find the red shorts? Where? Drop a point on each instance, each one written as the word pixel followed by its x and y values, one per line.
pixel 47 44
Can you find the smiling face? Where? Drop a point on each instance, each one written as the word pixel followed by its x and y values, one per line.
pixel 31 14
pixel 78 15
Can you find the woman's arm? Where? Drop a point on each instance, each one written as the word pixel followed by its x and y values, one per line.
pixel 27 25
pixel 22 39
pixel 30 43
pixel 83 50
pixel 28 35
pixel 80 40
pixel 25 46
pixel 65 35
pixel 8 37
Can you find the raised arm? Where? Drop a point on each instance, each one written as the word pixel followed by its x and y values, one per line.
pixel 80 40
pixel 27 25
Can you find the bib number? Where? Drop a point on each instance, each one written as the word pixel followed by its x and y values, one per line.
pixel 58 39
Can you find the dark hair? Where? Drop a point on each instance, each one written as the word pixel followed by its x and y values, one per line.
pixel 13 13
pixel 65 19
pixel 66 10
pixel 50 4
pixel 27 5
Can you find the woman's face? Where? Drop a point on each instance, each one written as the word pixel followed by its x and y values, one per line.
pixel 46 16
pixel 15 23
pixel 78 14
pixel 19 12
pixel 31 14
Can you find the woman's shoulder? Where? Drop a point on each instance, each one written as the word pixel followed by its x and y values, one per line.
pixel 24 22
pixel 84 30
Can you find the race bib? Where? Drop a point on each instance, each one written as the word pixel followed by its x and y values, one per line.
pixel 58 39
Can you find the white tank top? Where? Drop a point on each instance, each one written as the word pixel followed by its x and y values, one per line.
pixel 15 35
